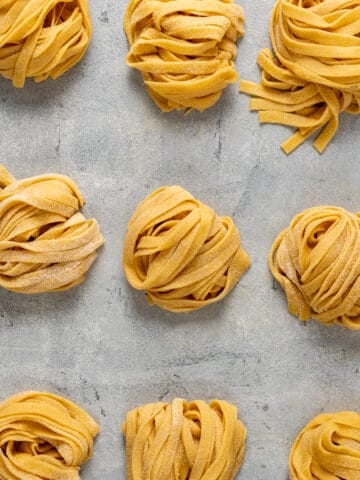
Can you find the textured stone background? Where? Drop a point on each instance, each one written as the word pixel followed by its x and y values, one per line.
pixel 100 344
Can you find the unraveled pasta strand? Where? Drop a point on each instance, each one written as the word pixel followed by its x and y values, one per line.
pixel 184 49
pixel 45 243
pixel 327 448
pixel 184 440
pixel 42 38
pixel 180 252
pixel 315 73
pixel 316 262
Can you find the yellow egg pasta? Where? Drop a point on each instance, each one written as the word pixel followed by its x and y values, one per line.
pixel 42 38
pixel 46 244
pixel 180 252
pixel 315 72
pixel 184 440
pixel 44 437
pixel 316 261
pixel 327 449
pixel 185 49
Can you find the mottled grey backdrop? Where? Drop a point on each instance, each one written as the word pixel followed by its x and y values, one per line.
pixel 100 344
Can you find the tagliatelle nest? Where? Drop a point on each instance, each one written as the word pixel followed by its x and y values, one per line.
pixel 316 261
pixel 44 436
pixel 185 49
pixel 180 252
pixel 184 440
pixel 46 244
pixel 327 448
pixel 315 72
pixel 42 38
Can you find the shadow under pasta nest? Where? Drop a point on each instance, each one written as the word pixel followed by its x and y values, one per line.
pixel 335 338
pixel 46 94
pixel 38 308
pixel 145 313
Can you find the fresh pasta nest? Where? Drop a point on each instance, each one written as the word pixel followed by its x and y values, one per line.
pixel 185 49
pixel 316 261
pixel 182 254
pixel 184 440
pixel 315 73
pixel 42 38
pixel 44 436
pixel 327 448
pixel 46 244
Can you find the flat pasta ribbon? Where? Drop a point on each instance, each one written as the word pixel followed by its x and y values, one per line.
pixel 327 449
pixel 180 252
pixel 315 72
pixel 184 49
pixel 45 243
pixel 184 440
pixel 44 437
pixel 42 38
pixel 316 261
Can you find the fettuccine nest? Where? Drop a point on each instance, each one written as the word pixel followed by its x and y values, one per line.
pixel 315 73
pixel 42 38
pixel 180 252
pixel 44 436
pixel 327 448
pixel 184 440
pixel 46 244
pixel 316 261
pixel 185 49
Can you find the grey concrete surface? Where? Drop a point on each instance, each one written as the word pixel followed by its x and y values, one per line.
pixel 100 344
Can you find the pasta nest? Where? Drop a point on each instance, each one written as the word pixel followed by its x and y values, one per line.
pixel 327 448
pixel 184 440
pixel 182 254
pixel 315 73
pixel 45 243
pixel 184 49
pixel 42 38
pixel 44 436
pixel 316 261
